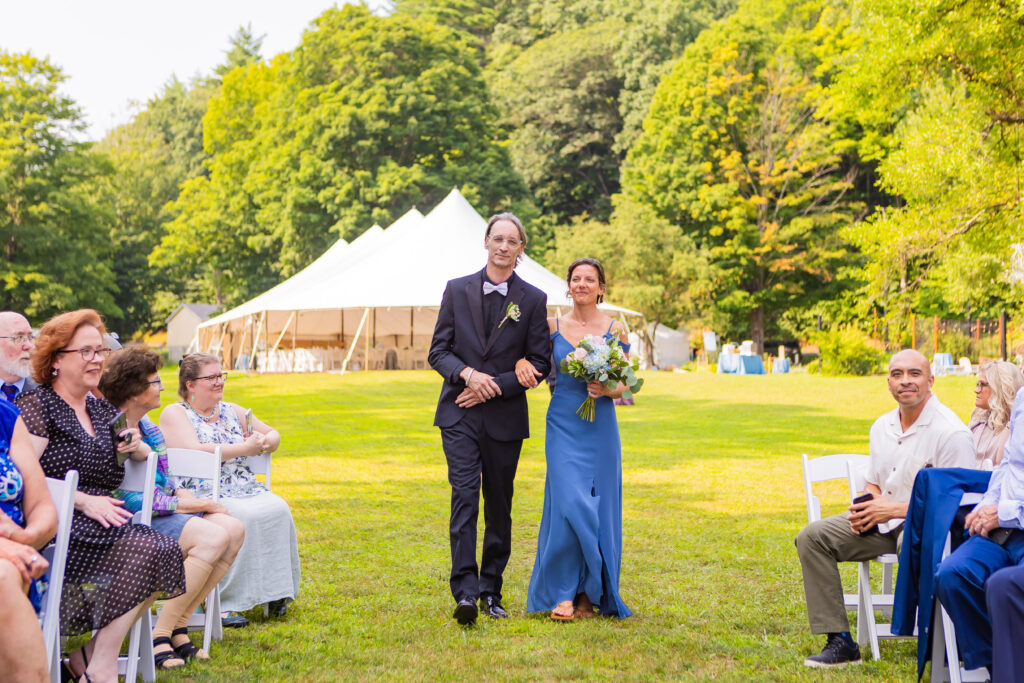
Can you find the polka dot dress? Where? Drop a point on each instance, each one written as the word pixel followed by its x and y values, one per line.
pixel 109 571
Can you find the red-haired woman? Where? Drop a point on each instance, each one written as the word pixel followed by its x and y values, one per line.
pixel 115 569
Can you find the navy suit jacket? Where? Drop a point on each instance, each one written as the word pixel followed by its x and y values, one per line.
pixel 460 340
pixel 934 502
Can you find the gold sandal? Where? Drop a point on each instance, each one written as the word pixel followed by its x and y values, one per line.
pixel 563 611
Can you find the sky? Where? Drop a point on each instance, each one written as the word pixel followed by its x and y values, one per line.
pixel 117 54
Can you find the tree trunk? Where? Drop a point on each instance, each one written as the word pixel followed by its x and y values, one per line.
pixel 757 329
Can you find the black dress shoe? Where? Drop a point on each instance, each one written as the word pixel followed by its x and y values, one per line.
pixel 491 606
pixel 465 611
pixel 234 620
pixel 278 608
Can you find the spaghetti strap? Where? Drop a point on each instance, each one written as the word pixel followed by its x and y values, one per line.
pixel 557 320
pixel 610 327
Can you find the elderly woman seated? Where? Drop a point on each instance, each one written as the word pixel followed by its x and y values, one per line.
pixel 996 542
pixel 266 569
pixel 27 521
pixel 208 536
pixel 998 382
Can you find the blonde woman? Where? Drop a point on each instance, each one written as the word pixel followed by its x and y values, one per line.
pixel 998 382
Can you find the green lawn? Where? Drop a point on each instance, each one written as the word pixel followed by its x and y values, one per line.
pixel 712 497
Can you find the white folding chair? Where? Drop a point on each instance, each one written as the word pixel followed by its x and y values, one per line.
pixel 945 654
pixel 828 468
pixel 62 491
pixel 869 630
pixel 260 464
pixel 185 462
pixel 139 658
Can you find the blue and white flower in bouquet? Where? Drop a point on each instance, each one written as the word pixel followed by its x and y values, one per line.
pixel 596 360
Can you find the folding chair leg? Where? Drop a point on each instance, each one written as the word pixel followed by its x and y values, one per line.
pixel 866 610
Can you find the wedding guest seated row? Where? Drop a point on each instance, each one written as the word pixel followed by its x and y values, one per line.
pixel 28 520
pixel 996 542
pixel 266 568
pixel 209 537
pixel 114 569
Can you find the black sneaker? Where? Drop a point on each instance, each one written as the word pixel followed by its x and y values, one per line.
pixel 839 651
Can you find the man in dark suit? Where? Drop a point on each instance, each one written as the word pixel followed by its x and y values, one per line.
pixel 487 322
pixel 15 351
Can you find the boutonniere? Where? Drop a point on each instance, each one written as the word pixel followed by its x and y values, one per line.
pixel 511 313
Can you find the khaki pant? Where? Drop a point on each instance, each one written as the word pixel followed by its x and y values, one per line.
pixel 822 545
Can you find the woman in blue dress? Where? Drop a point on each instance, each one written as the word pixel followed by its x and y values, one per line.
pixel 579 546
pixel 28 520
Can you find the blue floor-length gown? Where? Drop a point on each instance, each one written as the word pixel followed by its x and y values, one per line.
pixel 579 546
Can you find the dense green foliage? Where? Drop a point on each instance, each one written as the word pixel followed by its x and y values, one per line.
pixel 847 351
pixel 52 229
pixel 366 118
pixel 740 165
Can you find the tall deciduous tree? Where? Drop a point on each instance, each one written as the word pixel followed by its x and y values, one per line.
pixel 53 232
pixel 937 86
pixel 367 117
pixel 735 154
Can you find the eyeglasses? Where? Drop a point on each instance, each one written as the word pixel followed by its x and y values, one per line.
pixel 510 241
pixel 19 338
pixel 88 353
pixel 223 377
pixel 981 385
pixel 155 381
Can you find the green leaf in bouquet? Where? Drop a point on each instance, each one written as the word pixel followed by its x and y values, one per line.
pixel 627 394
pixel 611 384
pixel 639 383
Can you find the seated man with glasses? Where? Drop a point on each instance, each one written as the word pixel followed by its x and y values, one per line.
pixel 15 356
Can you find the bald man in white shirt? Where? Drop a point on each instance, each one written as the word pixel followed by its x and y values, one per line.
pixel 920 432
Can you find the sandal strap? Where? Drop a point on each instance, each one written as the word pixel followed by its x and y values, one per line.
pixel 186 650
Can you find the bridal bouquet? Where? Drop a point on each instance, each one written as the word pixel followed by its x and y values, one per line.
pixel 595 359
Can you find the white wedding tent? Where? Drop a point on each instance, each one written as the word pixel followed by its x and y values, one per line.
pixel 371 303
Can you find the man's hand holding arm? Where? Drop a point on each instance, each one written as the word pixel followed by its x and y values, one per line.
pixel 480 387
pixel 537 351
pixel 871 513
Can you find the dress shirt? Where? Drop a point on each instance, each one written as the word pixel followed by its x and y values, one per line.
pixel 938 438
pixel 1006 488
pixel 21 387
pixel 988 444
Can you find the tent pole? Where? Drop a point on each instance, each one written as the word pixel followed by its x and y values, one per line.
pixel 366 344
pixel 256 341
pixel 352 347
pixel 266 341
pixel 295 332
pixel 412 328
pixel 284 331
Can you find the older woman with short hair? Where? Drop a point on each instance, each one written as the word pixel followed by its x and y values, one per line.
pixel 28 521
pixel 208 536
pixel 115 569
pixel 266 569
pixel 998 382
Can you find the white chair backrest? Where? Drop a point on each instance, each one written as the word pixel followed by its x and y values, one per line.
pixel 856 475
pixel 826 468
pixel 260 464
pixel 62 491
pixel 965 365
pixel 141 476
pixel 186 462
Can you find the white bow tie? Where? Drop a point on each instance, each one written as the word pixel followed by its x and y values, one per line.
pixel 502 288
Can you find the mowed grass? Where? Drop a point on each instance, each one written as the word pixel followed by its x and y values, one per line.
pixel 712 498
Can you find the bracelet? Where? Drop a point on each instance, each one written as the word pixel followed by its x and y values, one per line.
pixel 471 371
